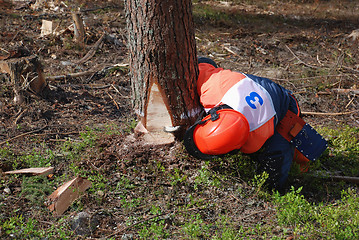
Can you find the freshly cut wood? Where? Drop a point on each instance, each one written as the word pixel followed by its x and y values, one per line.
pixel 65 195
pixel 33 171
pixel 157 118
pixel 46 28
pixel 140 129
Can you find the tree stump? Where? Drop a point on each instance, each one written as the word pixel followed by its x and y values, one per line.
pixel 26 75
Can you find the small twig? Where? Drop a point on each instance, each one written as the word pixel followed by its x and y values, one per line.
pixel 69 76
pixel 93 50
pixel 255 213
pixel 314 77
pixel 306 64
pixel 350 102
pixel 57 133
pixel 97 8
pixel 150 218
pixel 340 83
pixel 330 175
pixel 22 135
pixel 118 91
pixel 4 50
pixel 329 114
pixel 137 223
pixel 93 166
pixel 19 117
pixel 320 63
pixel 342 90
pixel 118 108
pixel 339 91
pixel 346 179
pixel 230 51
pixel 351 69
pixel 48 223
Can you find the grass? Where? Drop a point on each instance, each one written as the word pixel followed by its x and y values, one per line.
pixel 338 220
pixel 201 201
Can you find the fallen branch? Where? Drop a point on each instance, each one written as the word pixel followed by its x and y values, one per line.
pixel 19 116
pixel 329 114
pixel 314 77
pixel 22 135
pixel 69 76
pixel 114 101
pixel 338 90
pixel 341 90
pixel 351 69
pixel 93 50
pixel 346 179
pixel 255 213
pixel 85 73
pixel 336 177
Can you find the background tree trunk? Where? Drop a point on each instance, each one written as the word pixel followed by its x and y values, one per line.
pixel 163 52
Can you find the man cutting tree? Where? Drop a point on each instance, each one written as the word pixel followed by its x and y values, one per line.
pixel 255 116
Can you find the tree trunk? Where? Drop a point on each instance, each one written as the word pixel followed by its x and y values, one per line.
pixel 163 52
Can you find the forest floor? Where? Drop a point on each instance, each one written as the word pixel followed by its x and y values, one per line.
pixel 83 127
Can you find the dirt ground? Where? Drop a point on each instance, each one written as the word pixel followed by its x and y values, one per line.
pixel 310 48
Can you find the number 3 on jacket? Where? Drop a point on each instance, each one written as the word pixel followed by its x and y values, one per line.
pixel 252 98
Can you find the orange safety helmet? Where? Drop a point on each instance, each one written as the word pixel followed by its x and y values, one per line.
pixel 221 131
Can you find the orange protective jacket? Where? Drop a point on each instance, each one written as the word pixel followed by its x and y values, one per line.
pixel 213 84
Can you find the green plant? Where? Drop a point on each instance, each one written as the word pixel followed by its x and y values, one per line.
pixel 35 189
pixel 177 177
pixel 37 158
pixel 17 227
pixel 59 230
pixel 196 228
pixel 343 149
pixel 155 230
pixel 225 229
pixel 293 207
pixel 8 158
pixel 258 183
pixel 88 139
pixel 131 124
pixel 338 220
pixel 206 177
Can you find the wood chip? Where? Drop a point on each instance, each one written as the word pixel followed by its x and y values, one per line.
pixel 64 196
pixel 33 171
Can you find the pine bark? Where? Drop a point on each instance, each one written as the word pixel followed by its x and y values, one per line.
pixel 162 51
